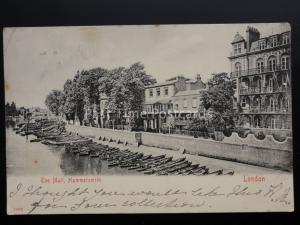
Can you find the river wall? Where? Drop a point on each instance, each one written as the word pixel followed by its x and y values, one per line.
pixel 267 152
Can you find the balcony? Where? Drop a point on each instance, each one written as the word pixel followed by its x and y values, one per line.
pixel 265 110
pixel 256 71
pixel 263 90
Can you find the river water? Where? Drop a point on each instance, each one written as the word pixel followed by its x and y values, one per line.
pixel 25 158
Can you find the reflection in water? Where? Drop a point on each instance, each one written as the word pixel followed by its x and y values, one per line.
pixel 83 165
pixel 25 158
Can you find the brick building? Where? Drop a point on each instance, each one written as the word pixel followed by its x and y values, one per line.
pixel 175 101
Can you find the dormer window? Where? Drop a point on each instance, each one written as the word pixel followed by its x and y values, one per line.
pixel 238 48
pixel 262 44
pixel 285 39
pixel 274 41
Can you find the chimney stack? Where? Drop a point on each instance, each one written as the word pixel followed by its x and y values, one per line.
pixel 252 34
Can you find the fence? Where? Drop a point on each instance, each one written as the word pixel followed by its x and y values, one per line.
pixel 195 134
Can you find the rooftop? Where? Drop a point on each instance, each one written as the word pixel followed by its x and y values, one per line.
pixel 161 84
pixel 238 38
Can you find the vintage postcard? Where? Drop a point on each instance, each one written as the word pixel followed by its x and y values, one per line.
pixel 149 119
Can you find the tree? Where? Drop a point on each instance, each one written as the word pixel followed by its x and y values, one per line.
pixel 218 100
pixel 69 103
pixel 125 89
pixel 54 101
pixel 90 86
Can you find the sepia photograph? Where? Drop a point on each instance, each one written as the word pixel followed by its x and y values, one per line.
pixel 144 114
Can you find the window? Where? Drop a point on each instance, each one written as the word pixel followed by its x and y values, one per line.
pixel 243 102
pixel 194 102
pixel 238 68
pixel 238 48
pixel 270 84
pixel 166 91
pixel 272 63
pixel 284 62
pixel 184 103
pixel 157 91
pixel 260 65
pixel 273 41
pixel 273 123
pixel 285 39
pixel 284 79
pixel 272 105
pixel 262 44
pixel 151 93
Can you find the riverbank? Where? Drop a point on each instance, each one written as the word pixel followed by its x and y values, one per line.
pixel 214 164
pixel 213 152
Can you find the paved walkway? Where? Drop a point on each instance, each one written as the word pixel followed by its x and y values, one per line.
pixel 211 163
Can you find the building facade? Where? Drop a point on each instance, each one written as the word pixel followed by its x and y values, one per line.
pixel 172 103
pixel 261 70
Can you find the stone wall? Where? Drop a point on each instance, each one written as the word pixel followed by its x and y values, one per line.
pixel 256 155
pixel 267 153
pixel 122 136
pixel 267 142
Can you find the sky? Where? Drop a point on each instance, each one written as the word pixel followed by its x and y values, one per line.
pixel 38 60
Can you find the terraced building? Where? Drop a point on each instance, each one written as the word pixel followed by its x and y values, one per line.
pixel 261 70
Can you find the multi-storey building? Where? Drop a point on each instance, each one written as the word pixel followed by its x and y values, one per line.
pixel 178 97
pixel 261 71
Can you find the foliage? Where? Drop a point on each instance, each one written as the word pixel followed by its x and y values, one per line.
pixel 54 101
pixel 123 86
pixel 125 89
pixel 199 124
pixel 218 101
pixel 11 109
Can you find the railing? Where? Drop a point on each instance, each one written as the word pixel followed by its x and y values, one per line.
pixel 257 90
pixel 188 133
pixel 258 70
pixel 266 109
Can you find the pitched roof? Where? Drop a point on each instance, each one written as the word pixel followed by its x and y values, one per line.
pixel 238 38
pixel 161 84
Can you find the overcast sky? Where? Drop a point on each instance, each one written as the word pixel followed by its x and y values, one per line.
pixel 37 60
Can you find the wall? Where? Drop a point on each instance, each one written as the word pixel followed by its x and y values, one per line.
pixel 189 98
pixel 162 96
pixel 267 142
pixel 256 155
pixel 114 135
pixel 278 155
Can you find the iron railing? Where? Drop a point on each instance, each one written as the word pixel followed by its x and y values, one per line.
pixel 258 70
pixel 257 90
